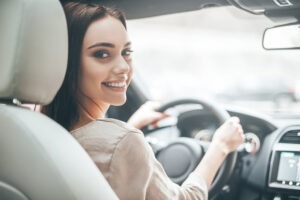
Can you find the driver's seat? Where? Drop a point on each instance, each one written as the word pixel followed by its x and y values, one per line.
pixel 39 160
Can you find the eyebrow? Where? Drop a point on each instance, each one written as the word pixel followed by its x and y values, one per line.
pixel 105 44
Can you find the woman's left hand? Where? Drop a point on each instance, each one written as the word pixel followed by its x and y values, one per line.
pixel 146 115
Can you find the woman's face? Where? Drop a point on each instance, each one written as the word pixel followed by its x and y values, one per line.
pixel 105 69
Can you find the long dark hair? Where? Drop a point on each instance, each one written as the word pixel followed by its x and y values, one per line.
pixel 64 108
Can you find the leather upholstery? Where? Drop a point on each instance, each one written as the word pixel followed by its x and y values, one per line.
pixel 39 160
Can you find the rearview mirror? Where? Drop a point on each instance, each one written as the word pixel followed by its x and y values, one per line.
pixel 282 37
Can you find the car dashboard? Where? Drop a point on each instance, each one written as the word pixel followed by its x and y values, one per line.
pixel 268 166
pixel 273 171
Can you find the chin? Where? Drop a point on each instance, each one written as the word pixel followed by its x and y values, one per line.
pixel 119 102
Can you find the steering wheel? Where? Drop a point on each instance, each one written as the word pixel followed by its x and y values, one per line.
pixel 181 156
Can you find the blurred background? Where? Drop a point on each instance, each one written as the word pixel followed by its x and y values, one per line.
pixel 215 54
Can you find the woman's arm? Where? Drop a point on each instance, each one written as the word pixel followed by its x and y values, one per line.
pixel 226 139
pixel 136 174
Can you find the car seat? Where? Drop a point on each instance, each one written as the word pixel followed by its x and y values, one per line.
pixel 39 160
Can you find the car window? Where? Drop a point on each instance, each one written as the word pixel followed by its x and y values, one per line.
pixel 215 54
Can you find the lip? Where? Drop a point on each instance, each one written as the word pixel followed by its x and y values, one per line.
pixel 115 89
pixel 120 89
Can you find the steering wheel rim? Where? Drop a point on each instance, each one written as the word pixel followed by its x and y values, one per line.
pixel 227 168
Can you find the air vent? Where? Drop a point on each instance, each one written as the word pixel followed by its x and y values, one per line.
pixel 292 137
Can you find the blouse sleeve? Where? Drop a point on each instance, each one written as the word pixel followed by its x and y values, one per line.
pixel 135 174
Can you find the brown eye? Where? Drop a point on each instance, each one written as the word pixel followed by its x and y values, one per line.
pixel 101 54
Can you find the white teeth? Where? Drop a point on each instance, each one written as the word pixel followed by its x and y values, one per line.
pixel 116 84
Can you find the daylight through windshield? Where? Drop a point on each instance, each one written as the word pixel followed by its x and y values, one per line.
pixel 216 54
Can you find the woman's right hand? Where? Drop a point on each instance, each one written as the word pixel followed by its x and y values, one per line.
pixel 229 136
pixel 147 115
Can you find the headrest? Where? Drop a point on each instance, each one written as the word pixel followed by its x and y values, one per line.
pixel 33 50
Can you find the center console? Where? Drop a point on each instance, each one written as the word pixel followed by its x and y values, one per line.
pixel 284 171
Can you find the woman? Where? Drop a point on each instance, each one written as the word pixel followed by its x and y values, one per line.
pixel 98 74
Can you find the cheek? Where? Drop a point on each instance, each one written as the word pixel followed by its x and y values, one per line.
pixel 90 76
pixel 131 70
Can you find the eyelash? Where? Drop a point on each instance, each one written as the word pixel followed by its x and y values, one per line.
pixel 127 52
pixel 101 54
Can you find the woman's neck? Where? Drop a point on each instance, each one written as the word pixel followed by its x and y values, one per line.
pixel 89 110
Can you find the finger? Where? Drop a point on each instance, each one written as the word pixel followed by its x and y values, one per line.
pixel 243 136
pixel 165 115
pixel 240 129
pixel 159 116
pixel 152 104
pixel 235 119
pixel 154 124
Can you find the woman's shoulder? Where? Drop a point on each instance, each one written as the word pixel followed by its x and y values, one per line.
pixel 105 129
pixel 117 123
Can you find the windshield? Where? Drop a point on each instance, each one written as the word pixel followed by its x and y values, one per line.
pixel 215 54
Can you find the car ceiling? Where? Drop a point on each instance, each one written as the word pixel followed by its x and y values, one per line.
pixel 140 9
pixel 287 11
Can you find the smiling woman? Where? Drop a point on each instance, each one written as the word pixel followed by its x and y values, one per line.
pixel 218 46
pixel 96 61
pixel 98 75
pixel 105 68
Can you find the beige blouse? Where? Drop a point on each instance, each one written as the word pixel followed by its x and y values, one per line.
pixel 129 165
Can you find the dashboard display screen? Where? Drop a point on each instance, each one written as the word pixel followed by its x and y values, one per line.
pixel 289 168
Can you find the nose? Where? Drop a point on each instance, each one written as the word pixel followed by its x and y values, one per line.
pixel 122 66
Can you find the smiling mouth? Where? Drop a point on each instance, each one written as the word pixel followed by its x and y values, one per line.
pixel 115 84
